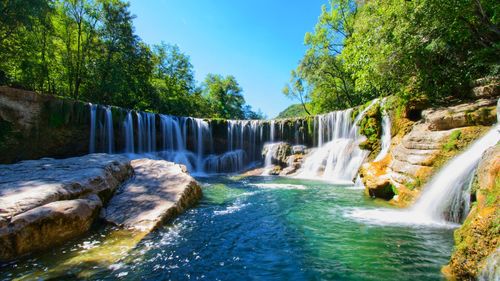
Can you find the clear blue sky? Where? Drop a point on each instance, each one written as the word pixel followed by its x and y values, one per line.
pixel 257 41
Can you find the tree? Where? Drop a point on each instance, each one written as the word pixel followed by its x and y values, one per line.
pixel 298 89
pixel 173 77
pixel 224 94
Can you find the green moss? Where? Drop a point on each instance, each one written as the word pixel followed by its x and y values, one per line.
pixel 371 127
pixel 452 143
pixel 394 189
pixel 414 184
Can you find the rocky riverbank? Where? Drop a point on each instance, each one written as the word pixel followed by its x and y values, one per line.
pixel 46 202
pixel 477 241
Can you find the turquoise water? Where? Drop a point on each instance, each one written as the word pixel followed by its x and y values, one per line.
pixel 258 229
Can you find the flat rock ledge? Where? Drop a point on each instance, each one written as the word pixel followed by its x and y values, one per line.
pixel 159 191
pixel 46 202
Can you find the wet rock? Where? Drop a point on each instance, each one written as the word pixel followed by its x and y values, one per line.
pixel 294 162
pixel 299 149
pixel 46 202
pixel 278 152
pixel 274 170
pixel 159 191
pixel 478 239
pixel 376 179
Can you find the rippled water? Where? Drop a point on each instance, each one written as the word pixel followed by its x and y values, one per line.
pixel 254 229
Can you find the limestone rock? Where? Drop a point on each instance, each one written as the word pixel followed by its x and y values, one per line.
pixel 414 156
pixel 486 87
pixel 48 225
pixel 488 174
pixel 159 191
pixel 30 184
pixel 46 202
pixel 376 179
pixel 481 112
pixel 294 162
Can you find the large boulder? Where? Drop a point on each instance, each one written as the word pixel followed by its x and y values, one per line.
pixel 159 191
pixel 481 112
pixel 486 87
pixel 478 239
pixel 46 202
pixel 44 226
pixel 294 162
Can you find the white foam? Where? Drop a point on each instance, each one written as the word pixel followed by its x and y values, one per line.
pixel 380 216
pixel 279 186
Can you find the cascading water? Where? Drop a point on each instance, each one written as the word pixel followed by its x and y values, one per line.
pixel 109 131
pixel 386 136
pixel 440 202
pixel 271 131
pixel 439 192
pixel 128 126
pixel 270 150
pixel 93 125
pixel 189 141
pixel 338 156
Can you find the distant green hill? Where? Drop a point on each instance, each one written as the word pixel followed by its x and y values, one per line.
pixel 294 110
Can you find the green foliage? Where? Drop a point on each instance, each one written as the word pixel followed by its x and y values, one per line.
pixel 224 95
pixel 87 50
pixel 430 48
pixel 294 110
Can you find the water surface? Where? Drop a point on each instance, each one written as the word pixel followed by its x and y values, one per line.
pixel 260 228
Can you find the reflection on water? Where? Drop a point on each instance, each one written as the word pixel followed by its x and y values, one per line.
pixel 254 229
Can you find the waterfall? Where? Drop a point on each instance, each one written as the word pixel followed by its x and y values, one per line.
pixel 128 126
pixel 271 131
pixel 109 130
pixel 442 198
pixel 189 141
pixel 386 136
pixel 202 131
pixel 229 162
pixel 448 182
pixel 270 150
pixel 338 156
pixel 140 133
pixel 93 110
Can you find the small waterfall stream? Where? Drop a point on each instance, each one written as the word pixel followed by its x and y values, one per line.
pixel 386 136
pixel 435 202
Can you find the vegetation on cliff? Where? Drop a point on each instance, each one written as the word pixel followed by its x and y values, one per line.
pixel 294 110
pixel 87 50
pixel 430 49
